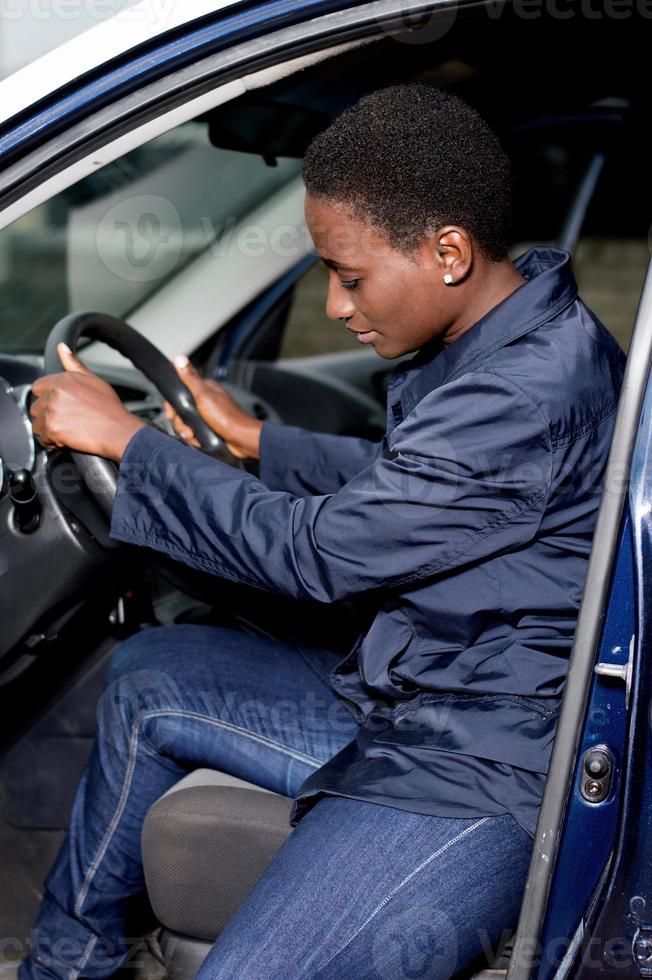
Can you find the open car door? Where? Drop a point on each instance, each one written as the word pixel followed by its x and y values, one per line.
pixel 587 909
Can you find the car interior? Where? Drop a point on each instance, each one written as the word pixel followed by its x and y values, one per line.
pixel 196 239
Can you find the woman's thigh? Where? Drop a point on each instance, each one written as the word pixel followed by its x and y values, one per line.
pixel 210 696
pixel 375 893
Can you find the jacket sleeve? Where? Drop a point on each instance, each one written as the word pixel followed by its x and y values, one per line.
pixel 304 462
pixel 465 475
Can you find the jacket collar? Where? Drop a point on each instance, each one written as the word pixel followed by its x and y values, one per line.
pixel 549 288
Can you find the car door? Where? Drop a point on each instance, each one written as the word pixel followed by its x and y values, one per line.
pixel 586 907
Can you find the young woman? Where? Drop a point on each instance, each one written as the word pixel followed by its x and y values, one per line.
pixel 418 763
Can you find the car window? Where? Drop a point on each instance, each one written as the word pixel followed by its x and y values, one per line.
pixel 612 254
pixel 308 331
pixel 610 271
pixel 548 164
pixel 610 257
pixel 119 235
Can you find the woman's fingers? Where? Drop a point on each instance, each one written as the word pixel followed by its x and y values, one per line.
pixel 190 377
pixel 69 361
pixel 200 387
pixel 215 386
pixel 188 436
pixel 182 430
pixel 77 409
pixel 240 431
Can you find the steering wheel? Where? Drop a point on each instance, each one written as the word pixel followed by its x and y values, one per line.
pixel 101 475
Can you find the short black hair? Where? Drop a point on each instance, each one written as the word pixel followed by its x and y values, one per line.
pixel 411 158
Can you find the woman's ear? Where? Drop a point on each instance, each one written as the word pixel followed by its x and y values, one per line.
pixel 452 253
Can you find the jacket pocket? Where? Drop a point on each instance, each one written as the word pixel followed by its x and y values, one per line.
pixel 513 729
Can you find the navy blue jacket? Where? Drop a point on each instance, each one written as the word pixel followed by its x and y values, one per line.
pixel 468 528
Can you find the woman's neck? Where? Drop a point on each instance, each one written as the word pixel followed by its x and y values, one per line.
pixel 487 286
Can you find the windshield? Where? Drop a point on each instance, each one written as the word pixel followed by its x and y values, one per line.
pixel 121 234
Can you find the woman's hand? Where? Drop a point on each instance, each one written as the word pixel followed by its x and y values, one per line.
pixel 81 411
pixel 239 430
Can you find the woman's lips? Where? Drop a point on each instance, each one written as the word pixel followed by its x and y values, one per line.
pixel 365 336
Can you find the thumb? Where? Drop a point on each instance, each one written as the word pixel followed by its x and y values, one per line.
pixel 188 374
pixel 69 360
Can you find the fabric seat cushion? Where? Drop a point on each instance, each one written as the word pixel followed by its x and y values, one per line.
pixel 205 843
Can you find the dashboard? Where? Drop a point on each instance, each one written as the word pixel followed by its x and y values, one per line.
pixel 48 559
pixel 17 449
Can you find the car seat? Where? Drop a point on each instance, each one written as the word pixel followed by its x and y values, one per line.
pixel 205 843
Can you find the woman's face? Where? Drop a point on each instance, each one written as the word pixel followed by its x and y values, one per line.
pixel 393 301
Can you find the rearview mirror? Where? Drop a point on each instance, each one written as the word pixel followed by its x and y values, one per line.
pixel 270 129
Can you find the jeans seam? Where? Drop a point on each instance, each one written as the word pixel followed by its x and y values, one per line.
pixel 404 881
pixel 85 956
pixel 126 786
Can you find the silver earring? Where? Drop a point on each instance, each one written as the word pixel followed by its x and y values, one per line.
pixel 448 279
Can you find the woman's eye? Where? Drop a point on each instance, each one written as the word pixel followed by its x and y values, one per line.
pixel 349 283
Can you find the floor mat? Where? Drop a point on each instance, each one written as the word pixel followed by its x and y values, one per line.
pixel 26 858
pixel 53 764
pixel 40 773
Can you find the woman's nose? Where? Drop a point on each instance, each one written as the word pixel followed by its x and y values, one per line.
pixel 339 305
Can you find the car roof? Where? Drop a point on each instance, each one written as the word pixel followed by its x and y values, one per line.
pixel 128 29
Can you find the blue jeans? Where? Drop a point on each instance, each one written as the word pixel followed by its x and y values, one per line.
pixel 359 890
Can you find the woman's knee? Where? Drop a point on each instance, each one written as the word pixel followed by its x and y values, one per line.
pixel 174 649
pixel 143 676
pixel 149 649
pixel 163 667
